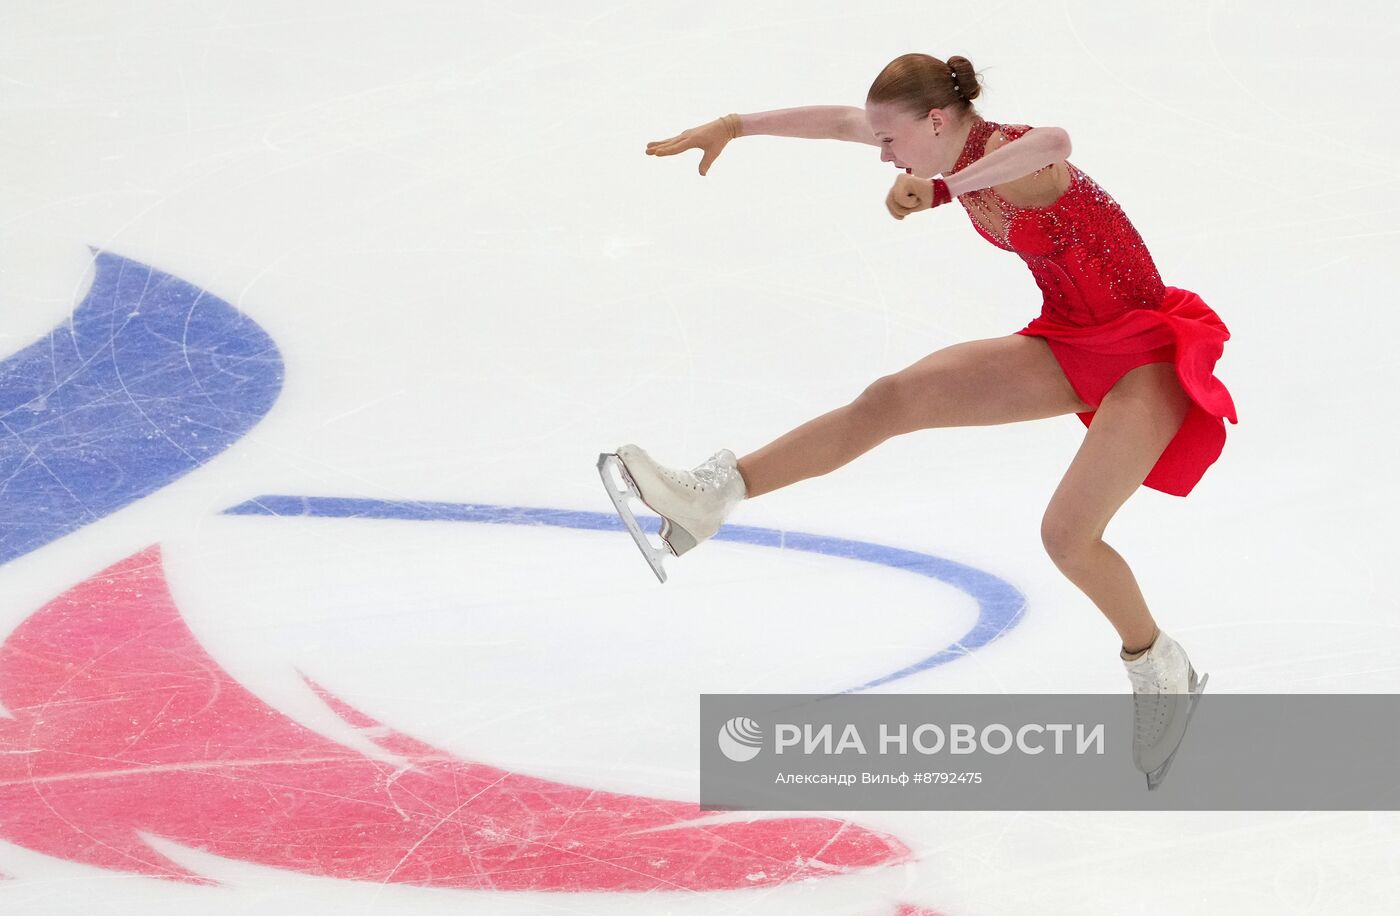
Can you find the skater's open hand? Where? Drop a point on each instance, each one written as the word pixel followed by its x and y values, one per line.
pixel 710 137
pixel 909 195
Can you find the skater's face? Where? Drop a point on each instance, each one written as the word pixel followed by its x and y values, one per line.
pixel 924 143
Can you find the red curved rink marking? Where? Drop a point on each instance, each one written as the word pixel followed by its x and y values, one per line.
pixel 123 723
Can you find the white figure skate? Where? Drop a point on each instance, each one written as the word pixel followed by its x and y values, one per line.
pixel 1165 691
pixel 692 504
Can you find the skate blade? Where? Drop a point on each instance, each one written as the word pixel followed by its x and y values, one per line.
pixel 1154 778
pixel 621 488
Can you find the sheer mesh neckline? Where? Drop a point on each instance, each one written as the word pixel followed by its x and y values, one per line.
pixel 976 141
pixel 992 213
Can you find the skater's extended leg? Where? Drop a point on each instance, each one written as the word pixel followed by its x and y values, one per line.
pixel 1132 426
pixel 978 383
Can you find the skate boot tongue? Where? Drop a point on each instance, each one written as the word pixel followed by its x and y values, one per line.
pixel 721 471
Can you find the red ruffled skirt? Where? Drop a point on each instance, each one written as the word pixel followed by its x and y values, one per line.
pixel 1184 331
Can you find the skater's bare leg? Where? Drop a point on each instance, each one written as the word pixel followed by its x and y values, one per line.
pixel 1132 426
pixel 978 383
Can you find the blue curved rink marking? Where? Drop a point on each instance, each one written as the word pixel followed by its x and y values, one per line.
pixel 1000 606
pixel 151 377
pixel 148 379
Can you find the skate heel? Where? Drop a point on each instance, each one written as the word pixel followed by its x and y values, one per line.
pixel 677 538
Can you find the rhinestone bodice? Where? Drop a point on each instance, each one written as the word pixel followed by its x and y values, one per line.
pixel 1088 260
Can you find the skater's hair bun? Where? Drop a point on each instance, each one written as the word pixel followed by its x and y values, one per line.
pixel 919 82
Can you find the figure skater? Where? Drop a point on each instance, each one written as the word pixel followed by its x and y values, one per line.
pixel 1132 357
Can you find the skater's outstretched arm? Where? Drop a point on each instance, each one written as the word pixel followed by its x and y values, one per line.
pixel 816 122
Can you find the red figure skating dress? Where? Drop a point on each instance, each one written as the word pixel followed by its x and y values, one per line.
pixel 1105 309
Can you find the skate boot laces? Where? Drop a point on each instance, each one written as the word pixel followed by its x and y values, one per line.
pixel 1159 678
pixel 1152 703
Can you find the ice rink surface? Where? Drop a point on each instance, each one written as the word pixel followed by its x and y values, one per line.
pixel 384 279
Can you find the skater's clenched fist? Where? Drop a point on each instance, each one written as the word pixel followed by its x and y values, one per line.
pixel 711 138
pixel 910 195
